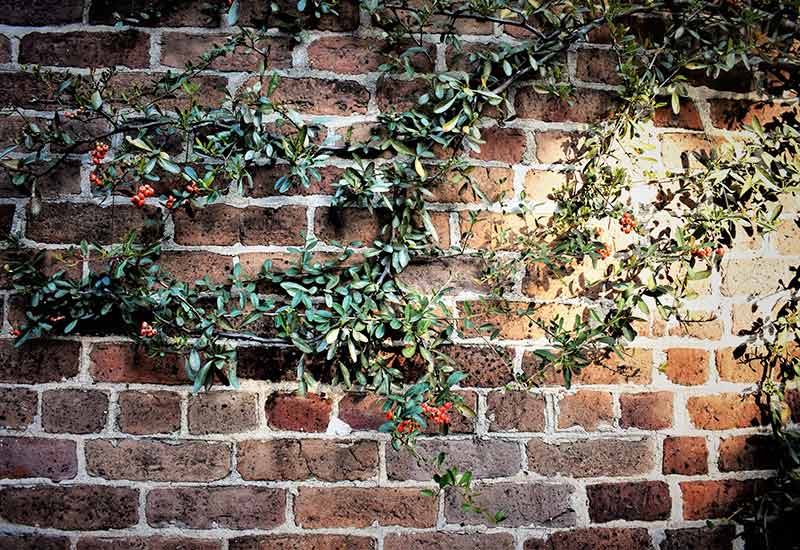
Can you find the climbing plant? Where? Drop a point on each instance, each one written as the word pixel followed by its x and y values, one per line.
pixel 348 312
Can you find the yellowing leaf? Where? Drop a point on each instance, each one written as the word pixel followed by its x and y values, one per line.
pixel 419 168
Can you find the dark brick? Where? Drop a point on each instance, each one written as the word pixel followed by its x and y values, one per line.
pixel 23 457
pixel 645 501
pixel 86 49
pixel 486 458
pixel 700 538
pixel 74 411
pixel 41 12
pixel 39 361
pixel 590 458
pixel 33 542
pixel 17 408
pixel 149 412
pixel 222 412
pixel 299 414
pixel 216 507
pixel 448 541
pixel 73 223
pixel 529 505
pixel 169 13
pixel 302 542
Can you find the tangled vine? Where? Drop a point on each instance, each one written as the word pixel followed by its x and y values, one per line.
pixel 346 309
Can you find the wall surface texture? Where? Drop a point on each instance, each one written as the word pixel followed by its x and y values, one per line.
pixel 103 449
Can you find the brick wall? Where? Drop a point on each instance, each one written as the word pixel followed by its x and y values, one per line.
pixel 100 448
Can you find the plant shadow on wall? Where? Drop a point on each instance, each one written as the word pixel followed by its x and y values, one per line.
pixel 628 238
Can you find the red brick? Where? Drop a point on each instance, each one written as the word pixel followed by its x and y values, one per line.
pixel 216 507
pixel 429 274
pixel 74 411
pixel 86 49
pixel 148 543
pixel 347 225
pixel 743 369
pixel 362 411
pixel 316 96
pixel 276 364
pixel 699 538
pixel 438 540
pixel 634 368
pixel 302 542
pixel 217 224
pixel 72 223
pixel 484 457
pixel 178 48
pixel 687 366
pixel 222 412
pixel 63 180
pixel 17 408
pixel 597 66
pixel 171 14
pixel 126 364
pixel 39 361
pixel 503 145
pixel 715 499
pixel 27 90
pixel 685 456
pixel 679 150
pixel 748 452
pixel 484 367
pixel 22 457
pixel 328 507
pixel 188 267
pixel 350 55
pixel 723 411
pixel 688 117
pixel 151 460
pixel 325 460
pixel 396 96
pixel 738 79
pixel 494 183
pixel 631 501
pixel 515 411
pixel 647 411
pixel 22 541
pixel 149 412
pixel 699 324
pixel 590 458
pixel 253 13
pixel 588 409
pixel 595 539
pixel 299 414
pixel 588 106
pixel 734 114
pixel 264 179
pixel 260 226
pixel 528 505
pixel 41 12
pixel 77 507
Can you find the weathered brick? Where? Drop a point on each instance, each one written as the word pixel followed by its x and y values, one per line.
pixel 86 49
pixel 72 223
pixel 458 274
pixel 189 266
pixel 317 96
pixel 74 411
pixel 264 179
pixel 253 13
pixel 6 219
pixel 698 324
pixel 276 364
pixel 126 364
pixel 589 106
pixel 222 412
pixel 515 411
pixel 688 117
pixel 151 460
pixel 438 540
pixel 486 458
pixel 748 452
pixel 678 150
pixel 22 541
pixel 63 180
pixel 168 13
pixel 715 499
pixel 757 277
pixel 350 55
pixel 77 507
pixel 149 412
pixel 685 456
pixel 531 504
pixel 178 48
pixel 216 507
pixel 743 369
pixel 302 542
pixel 699 538
pixel 41 12
pixel 787 238
pixel 394 96
pixel 503 145
pixel 300 414
pixel 723 411
pixel 292 459
pixel 648 411
pixel 148 543
pixel 597 66
pixel 494 183
pixel 17 408
pixel 634 368
pixel 327 507
pixel 39 361
pixel 27 90
pixel 557 146
pixel 594 539
pixel 22 457
pixel 687 366
pixel 638 500
pixel 590 458
pixel 589 410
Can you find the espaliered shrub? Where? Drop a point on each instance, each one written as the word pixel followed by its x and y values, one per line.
pixel 457 195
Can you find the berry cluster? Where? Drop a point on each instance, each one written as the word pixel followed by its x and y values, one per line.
pixel 170 202
pixel 95 179
pixel 407 426
pixel 627 223
pixel 143 192
pixel 99 152
pixel 604 252
pixel 706 252
pixel 147 331
pixel 437 415
pixel 15 332
pixel 192 188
